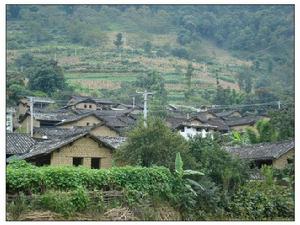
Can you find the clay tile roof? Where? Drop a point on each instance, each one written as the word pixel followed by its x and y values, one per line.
pixel 262 150
pixel 18 143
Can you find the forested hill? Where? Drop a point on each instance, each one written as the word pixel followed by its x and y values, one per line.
pixel 198 51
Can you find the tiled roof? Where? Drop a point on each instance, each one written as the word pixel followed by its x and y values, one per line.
pixel 262 150
pixel 175 121
pixel 114 142
pixel 221 125
pixel 77 99
pixel 226 113
pixel 56 132
pixel 18 143
pixel 237 121
pixel 48 146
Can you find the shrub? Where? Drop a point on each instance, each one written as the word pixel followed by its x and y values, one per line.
pixel 17 207
pixel 57 201
pixel 154 180
pixel 257 201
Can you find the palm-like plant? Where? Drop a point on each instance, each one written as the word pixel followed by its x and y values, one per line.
pixel 186 175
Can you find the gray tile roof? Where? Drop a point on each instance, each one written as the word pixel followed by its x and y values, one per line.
pixel 262 150
pixel 221 125
pixel 175 121
pixel 77 99
pixel 48 146
pixel 237 121
pixel 226 113
pixel 56 132
pixel 114 142
pixel 18 143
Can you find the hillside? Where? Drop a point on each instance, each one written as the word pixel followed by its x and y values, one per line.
pixel 81 39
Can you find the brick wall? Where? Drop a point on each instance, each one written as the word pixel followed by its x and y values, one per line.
pixel 84 147
pixel 281 162
pixel 83 122
pixel 104 131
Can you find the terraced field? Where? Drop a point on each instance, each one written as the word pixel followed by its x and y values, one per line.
pixel 90 69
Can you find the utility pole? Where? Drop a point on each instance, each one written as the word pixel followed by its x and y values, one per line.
pixel 145 94
pixel 31 116
pixel 133 102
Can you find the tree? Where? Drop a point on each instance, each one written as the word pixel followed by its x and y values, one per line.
pixel 220 166
pixel 188 75
pixel 245 79
pixel 153 145
pixel 265 132
pixel 147 47
pixel 283 122
pixel 118 42
pixel 46 76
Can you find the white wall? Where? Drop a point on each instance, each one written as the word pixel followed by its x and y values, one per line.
pixel 191 132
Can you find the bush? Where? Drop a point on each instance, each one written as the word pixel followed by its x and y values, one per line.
pixel 17 207
pixel 154 180
pixel 257 201
pixel 57 201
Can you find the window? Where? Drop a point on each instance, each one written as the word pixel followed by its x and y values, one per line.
pixel 85 106
pixel 77 161
pixel 87 123
pixel 90 106
pixel 96 163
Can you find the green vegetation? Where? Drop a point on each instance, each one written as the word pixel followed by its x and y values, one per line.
pixel 152 145
pixel 251 54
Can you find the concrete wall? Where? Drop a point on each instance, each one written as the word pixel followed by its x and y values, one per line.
pixel 281 162
pixel 104 131
pixel 92 120
pixel 84 147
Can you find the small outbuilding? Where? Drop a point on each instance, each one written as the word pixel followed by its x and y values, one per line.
pixel 277 154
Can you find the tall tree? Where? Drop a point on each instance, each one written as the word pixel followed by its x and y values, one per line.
pixel 46 76
pixel 153 145
pixel 119 41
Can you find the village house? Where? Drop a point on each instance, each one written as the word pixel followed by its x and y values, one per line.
pixel 203 124
pixel 113 122
pixel 82 149
pixel 277 154
pixel 242 123
pixel 42 119
pixel 89 103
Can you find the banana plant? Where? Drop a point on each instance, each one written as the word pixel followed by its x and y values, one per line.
pixel 190 184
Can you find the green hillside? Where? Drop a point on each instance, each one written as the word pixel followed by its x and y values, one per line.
pixel 165 39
